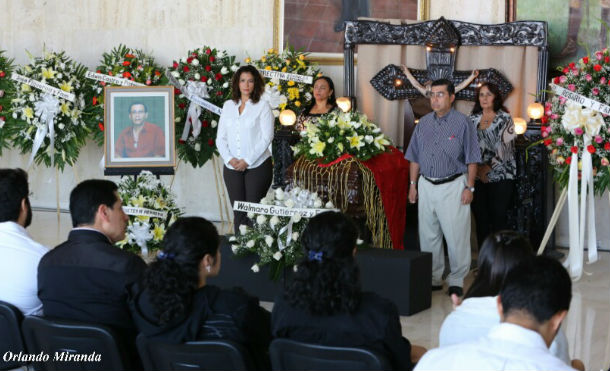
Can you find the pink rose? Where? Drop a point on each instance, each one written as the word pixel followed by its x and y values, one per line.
pixel 598 55
pixel 548 111
pixel 578 131
pixel 605 161
pixel 547 105
pixel 545 134
pixel 588 77
pixel 602 80
pixel 562 79
pixel 562 100
pixel 559 141
pixel 572 87
pixel 595 91
pixel 554 116
pixel 598 139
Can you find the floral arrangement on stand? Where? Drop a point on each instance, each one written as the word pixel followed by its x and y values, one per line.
pixel 206 72
pixel 337 134
pixel 151 207
pixel 571 128
pixel 276 239
pixel 51 127
pixel 292 95
pixel 7 91
pixel 131 64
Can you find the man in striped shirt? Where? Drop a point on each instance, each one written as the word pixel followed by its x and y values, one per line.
pixel 444 153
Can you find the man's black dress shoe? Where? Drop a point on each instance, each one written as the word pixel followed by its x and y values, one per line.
pixel 437 287
pixel 455 290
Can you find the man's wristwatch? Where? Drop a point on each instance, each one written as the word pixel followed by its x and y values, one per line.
pixel 471 189
pixel 412 182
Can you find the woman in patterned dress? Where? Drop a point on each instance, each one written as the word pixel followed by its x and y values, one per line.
pixel 324 101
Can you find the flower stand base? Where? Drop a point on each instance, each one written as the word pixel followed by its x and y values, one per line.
pixel 402 276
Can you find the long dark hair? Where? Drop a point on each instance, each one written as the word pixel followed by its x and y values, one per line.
pixel 259 84
pixel 173 278
pixel 327 281
pixel 332 100
pixel 497 98
pixel 500 252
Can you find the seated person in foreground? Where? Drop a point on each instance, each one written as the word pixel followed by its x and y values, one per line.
pixel 19 253
pixel 324 304
pixel 173 302
pixel 478 313
pixel 533 301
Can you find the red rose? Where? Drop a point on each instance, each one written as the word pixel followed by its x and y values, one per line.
pixel 100 125
pixel 1 108
pixel 126 63
pixel 565 70
pixel 572 65
pixel 607 59
pixel 208 68
pixel 194 55
pixel 542 129
pixel 177 91
pixel 547 142
pixel 181 105
pixel 157 73
pixel 99 71
pixel 126 74
pixel 3 118
pixel 569 160
pixel 181 141
pixel 175 65
pixel 219 93
pixel 544 119
pixel 128 55
pixel 110 73
pixel 556 80
pixel 208 51
pixel 2 73
pixel 590 148
pixel 574 149
pixel 204 78
pixel 189 60
pixel 94 101
pixel 585 60
pixel 205 123
pixel 597 68
pixel 186 69
pixel 607 146
pixel 211 142
pixel 212 58
pixel 102 83
pixel 218 76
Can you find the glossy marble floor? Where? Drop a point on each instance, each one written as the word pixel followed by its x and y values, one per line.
pixel 587 326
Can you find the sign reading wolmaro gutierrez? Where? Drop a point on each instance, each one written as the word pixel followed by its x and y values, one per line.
pixel 276 210
pixel 63 356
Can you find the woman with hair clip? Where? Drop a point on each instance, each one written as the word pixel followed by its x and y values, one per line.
pixel 324 102
pixel 478 313
pixel 245 131
pixel 497 170
pixel 324 303
pixel 173 302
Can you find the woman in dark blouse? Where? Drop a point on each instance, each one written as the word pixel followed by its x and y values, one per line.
pixel 324 101
pixel 324 304
pixel 497 170
pixel 173 303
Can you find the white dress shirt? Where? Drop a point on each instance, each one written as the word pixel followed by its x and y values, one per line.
pixel 19 258
pixel 505 347
pixel 476 316
pixel 247 135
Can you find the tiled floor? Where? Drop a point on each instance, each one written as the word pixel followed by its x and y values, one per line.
pixel 310 24
pixel 587 326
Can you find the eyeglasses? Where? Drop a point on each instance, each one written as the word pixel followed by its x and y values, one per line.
pixel 438 94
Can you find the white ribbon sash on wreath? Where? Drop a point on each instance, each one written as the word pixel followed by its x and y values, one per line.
pixel 116 80
pixel 277 210
pixel 46 109
pixel 142 211
pixel 286 76
pixel 48 89
pixel 141 235
pixel 195 98
pixel 581 213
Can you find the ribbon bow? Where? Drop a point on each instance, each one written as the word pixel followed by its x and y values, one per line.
pixel 198 89
pixel 46 109
pixel 141 235
pixel 272 96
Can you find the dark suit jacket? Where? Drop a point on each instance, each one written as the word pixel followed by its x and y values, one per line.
pixel 374 325
pixel 85 279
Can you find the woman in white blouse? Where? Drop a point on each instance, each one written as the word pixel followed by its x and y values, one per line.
pixel 245 131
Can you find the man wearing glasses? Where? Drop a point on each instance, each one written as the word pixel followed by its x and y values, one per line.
pixel 444 153
pixel 141 139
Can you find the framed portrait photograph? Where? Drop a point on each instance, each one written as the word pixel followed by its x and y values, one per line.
pixel 139 127
pixel 316 26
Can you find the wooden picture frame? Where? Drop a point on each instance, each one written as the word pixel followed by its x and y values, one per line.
pixel 152 110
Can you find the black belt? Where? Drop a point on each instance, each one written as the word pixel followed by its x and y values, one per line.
pixel 443 180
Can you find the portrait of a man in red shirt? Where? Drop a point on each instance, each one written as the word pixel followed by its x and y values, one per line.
pixel 142 138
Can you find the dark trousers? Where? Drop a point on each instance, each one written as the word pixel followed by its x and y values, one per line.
pixel 250 185
pixel 490 207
